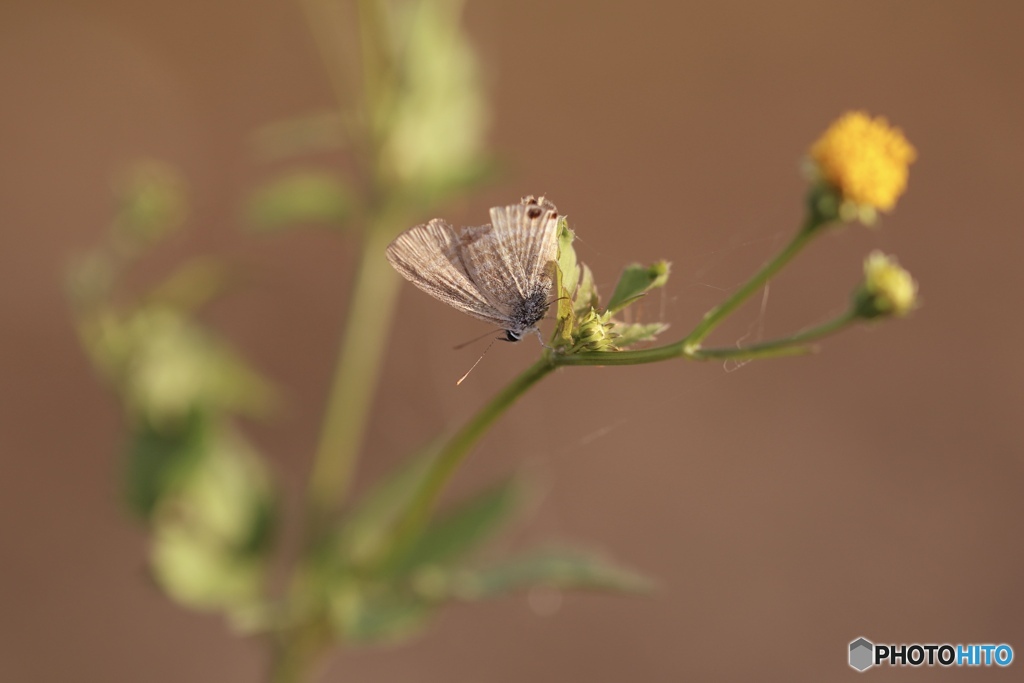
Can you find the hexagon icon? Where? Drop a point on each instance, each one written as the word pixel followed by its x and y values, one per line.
pixel 861 654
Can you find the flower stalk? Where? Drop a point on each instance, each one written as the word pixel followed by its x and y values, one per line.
pixel 691 344
pixel 454 450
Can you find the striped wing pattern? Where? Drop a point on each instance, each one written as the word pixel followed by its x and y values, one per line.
pixel 428 256
pixel 485 271
pixel 508 259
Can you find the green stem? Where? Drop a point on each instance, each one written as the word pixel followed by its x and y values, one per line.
pixel 713 317
pixel 291 665
pixel 452 452
pixel 355 375
pixel 297 655
pixel 793 345
pixel 788 346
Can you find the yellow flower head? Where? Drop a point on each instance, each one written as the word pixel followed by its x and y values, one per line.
pixel 891 289
pixel 865 159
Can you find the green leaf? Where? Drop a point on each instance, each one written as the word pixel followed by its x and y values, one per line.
pixel 567 262
pixel 556 567
pixel 157 462
pixel 628 335
pixel 637 280
pixel 169 365
pixel 212 531
pixel 190 286
pixel 307 196
pixel 587 297
pixel 567 276
pixel 368 615
pixel 461 529
pixel 203 576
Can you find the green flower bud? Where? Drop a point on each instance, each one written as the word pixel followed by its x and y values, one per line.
pixel 594 333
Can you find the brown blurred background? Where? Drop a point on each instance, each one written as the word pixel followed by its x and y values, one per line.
pixel 787 507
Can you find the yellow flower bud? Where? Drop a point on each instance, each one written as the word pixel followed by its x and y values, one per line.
pixel 888 288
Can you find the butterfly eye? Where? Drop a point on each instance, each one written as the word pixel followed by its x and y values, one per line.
pixel 512 336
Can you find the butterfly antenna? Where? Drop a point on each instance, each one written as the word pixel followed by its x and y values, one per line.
pixel 473 340
pixel 477 362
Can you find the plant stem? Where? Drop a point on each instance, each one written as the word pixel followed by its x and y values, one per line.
pixel 453 451
pixel 713 317
pixel 376 285
pixel 689 346
pixel 355 376
pixel 793 345
pixel 787 346
pixel 297 654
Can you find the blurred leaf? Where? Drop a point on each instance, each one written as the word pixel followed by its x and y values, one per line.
pixel 630 334
pixel 374 616
pixel 203 576
pixel 556 567
pixel 168 366
pixel 315 132
pixel 158 462
pixel 460 529
pixel 472 175
pixel 234 386
pixel 190 286
pixel 212 531
pixel 262 526
pixel 307 196
pixel 152 200
pixel 435 114
pixel 637 280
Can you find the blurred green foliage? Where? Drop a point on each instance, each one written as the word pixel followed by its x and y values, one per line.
pixel 411 125
pixel 302 196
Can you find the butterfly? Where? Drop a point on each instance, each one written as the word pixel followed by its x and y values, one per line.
pixel 501 273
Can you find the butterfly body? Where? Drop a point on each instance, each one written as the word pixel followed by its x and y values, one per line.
pixel 501 273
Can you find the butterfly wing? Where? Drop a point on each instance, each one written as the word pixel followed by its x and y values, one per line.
pixel 428 256
pixel 510 259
